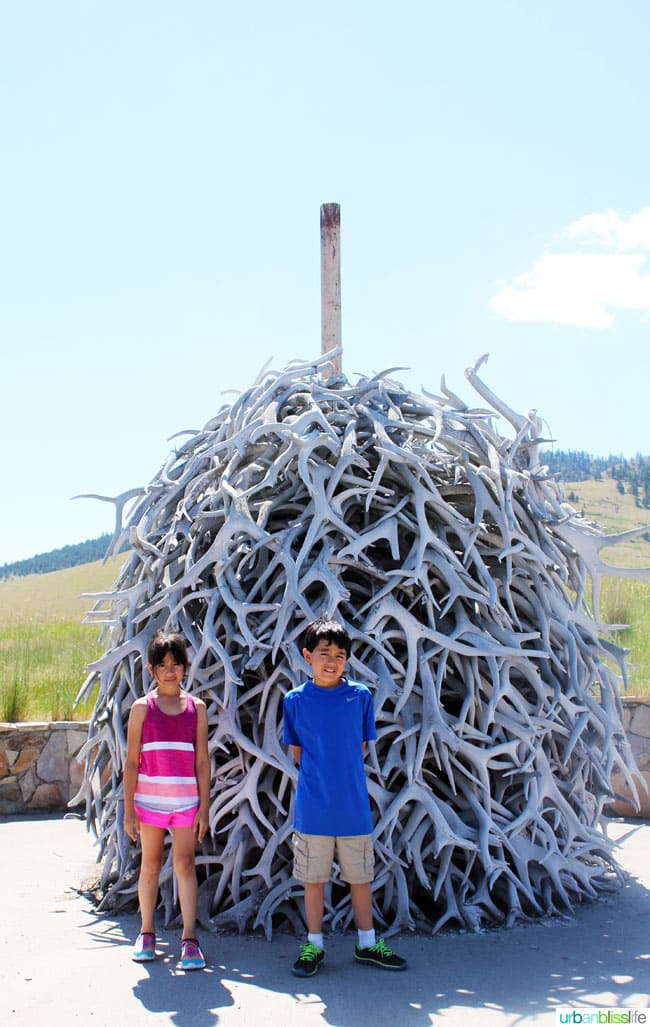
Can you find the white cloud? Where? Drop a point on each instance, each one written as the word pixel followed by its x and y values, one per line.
pixel 583 287
pixel 614 231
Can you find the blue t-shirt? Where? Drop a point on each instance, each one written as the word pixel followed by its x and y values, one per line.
pixel 330 725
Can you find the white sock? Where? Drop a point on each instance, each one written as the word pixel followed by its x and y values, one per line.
pixel 316 939
pixel 366 938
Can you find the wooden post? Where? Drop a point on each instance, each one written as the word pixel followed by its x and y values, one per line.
pixel 330 282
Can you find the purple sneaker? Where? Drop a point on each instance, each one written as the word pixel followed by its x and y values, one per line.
pixel 144 949
pixel 191 955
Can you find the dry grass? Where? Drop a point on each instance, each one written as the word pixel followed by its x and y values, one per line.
pixel 57 596
pixel 601 502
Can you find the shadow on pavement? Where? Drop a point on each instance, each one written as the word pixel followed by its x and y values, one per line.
pixel 599 958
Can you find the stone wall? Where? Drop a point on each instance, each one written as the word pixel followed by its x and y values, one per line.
pixel 38 769
pixel 636 721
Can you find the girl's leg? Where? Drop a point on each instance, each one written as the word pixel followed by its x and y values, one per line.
pixel 185 870
pixel 151 839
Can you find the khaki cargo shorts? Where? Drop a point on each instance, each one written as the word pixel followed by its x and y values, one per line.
pixel 313 855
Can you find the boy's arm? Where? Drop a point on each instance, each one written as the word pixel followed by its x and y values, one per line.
pixel 290 735
pixel 369 726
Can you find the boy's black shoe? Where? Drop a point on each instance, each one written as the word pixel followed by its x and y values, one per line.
pixel 380 955
pixel 309 960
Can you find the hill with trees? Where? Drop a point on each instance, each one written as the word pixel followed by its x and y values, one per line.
pixel 58 559
pixel 631 476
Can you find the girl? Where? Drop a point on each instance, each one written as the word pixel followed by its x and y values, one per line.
pixel 167 785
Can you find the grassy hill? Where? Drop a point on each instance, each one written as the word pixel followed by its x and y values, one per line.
pixel 601 502
pixel 57 596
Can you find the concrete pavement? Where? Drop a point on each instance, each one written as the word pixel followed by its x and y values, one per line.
pixel 62 963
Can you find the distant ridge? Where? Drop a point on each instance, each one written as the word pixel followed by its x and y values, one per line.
pixel 576 465
pixel 630 475
pixel 58 559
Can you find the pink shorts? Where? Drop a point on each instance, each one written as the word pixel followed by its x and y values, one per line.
pixel 175 818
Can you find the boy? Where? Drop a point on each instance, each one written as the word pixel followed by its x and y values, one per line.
pixel 327 723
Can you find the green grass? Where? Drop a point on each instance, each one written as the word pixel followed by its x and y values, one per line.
pixel 628 602
pixel 623 600
pixel 44 646
pixel 43 668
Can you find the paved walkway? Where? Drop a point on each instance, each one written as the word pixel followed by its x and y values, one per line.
pixel 61 963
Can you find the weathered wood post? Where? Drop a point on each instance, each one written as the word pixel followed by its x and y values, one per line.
pixel 330 263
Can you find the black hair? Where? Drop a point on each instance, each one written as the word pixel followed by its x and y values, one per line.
pixel 164 642
pixel 329 630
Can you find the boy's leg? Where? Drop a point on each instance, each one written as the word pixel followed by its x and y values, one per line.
pixel 357 861
pixel 369 949
pixel 361 895
pixel 312 863
pixel 312 952
pixel 185 869
pixel 151 839
pixel 314 906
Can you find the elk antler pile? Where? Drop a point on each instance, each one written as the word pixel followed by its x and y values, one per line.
pixel 448 552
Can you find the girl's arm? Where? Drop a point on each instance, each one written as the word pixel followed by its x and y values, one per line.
pixel 202 768
pixel 296 750
pixel 131 764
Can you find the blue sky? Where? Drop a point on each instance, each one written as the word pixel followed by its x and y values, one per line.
pixel 162 174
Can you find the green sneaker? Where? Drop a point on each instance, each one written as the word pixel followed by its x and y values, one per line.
pixel 309 961
pixel 380 955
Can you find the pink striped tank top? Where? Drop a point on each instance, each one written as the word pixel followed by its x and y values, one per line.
pixel 166 774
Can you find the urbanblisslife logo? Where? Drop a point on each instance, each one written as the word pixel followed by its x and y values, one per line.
pixel 601 1016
